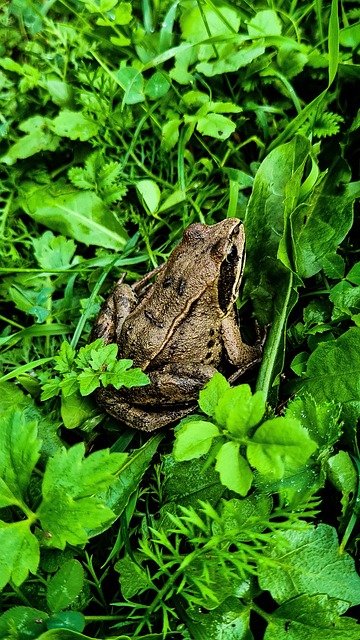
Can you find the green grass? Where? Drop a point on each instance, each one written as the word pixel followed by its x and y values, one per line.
pixel 121 124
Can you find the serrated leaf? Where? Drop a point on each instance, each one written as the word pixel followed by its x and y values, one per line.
pixel 234 470
pixel 106 356
pixel 280 447
pixel 70 504
pixel 88 381
pixel 194 439
pixel 322 421
pixel 65 358
pixel 19 450
pixel 309 562
pixel 316 616
pixel 65 585
pixel 19 552
pixel 28 622
pixel 333 369
pixel 53 252
pixel 80 178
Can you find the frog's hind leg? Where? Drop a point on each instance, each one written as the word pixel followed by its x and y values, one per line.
pixel 138 417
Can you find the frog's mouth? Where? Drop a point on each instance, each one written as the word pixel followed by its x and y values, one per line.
pixel 230 274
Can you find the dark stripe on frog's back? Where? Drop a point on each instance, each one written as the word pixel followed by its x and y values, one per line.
pixel 165 307
pixel 196 338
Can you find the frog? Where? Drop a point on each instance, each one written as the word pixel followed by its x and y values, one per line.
pixel 179 324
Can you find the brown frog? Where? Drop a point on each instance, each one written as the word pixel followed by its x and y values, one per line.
pixel 180 329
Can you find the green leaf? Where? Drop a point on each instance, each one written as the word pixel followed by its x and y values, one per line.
pixel 28 622
pixel 229 621
pixel 132 577
pixel 197 25
pixel 343 476
pixel 238 517
pixel 239 53
pixel 61 92
pixel 19 451
pixel 131 80
pixel 117 496
pixel 88 381
pixel 354 274
pixel 321 224
pixel 65 586
pixel 209 396
pixel 106 356
pixel 70 486
pixel 80 215
pixel 75 409
pixel 333 369
pixel 157 86
pixel 123 13
pixel 121 375
pixel 316 616
pixel 29 145
pixel 65 358
pixel 73 125
pixel 193 439
pixel 309 562
pixel 68 621
pixel 215 125
pixel 333 266
pixel 265 23
pixel 238 410
pixel 270 281
pixel 280 447
pixel 234 470
pixel 322 421
pixel 149 193
pixel 53 252
pixel 19 552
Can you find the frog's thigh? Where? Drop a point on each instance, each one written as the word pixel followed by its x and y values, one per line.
pixel 121 301
pixel 138 417
pixel 172 385
pixel 239 354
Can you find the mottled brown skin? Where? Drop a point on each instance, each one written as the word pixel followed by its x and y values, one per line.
pixel 179 330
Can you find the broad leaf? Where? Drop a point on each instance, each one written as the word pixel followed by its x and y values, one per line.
pixel 234 470
pixel 280 447
pixel 80 215
pixel 194 439
pixel 307 617
pixel 65 585
pixel 309 562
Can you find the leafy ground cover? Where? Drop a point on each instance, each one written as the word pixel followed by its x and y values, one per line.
pixel 121 124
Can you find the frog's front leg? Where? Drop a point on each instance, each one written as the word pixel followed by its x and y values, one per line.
pixel 121 301
pixel 239 354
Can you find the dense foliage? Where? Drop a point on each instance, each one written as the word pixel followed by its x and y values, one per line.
pixel 122 123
